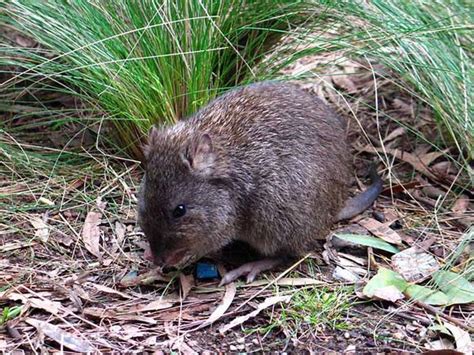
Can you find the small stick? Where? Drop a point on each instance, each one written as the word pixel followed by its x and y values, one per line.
pixel 436 311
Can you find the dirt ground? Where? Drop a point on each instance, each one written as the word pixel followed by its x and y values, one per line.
pixel 72 272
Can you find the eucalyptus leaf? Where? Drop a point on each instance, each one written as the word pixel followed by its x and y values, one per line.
pixel 456 287
pixel 427 295
pixel 368 241
pixel 384 278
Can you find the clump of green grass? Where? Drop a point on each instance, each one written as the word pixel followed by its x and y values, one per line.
pixel 427 45
pixel 317 309
pixel 139 63
pixel 9 313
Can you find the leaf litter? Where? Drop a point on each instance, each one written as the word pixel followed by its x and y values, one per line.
pixel 70 284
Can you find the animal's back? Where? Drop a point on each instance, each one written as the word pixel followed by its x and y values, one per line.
pixel 289 159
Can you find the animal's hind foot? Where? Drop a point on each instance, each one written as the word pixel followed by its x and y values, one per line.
pixel 251 269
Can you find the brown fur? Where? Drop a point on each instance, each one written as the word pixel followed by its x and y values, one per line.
pixel 267 164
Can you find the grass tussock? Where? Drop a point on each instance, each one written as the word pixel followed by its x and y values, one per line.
pixel 139 63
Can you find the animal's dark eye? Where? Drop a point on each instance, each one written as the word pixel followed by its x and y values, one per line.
pixel 179 211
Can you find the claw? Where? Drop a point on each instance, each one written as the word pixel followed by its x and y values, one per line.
pixel 251 269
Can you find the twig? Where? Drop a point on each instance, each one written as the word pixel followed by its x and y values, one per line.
pixel 436 311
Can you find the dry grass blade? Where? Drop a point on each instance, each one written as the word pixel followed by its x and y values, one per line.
pixel 64 338
pixel 268 302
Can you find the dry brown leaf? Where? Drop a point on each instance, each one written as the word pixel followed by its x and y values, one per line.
pixel 443 344
pixel 91 233
pixel 345 82
pixel 46 305
pixel 127 331
pixel 62 337
pixel 3 345
pixel 42 229
pixel 110 290
pixel 145 278
pixel 402 106
pixel 187 283
pixel 461 205
pixel 287 281
pixel 388 293
pixel 461 337
pixel 230 291
pixel 49 306
pixel 108 313
pixel 25 42
pixel 345 275
pixel 155 305
pixel 419 162
pixel 120 232
pixel 400 131
pixel 270 301
pixel 414 264
pixel 182 347
pixel 381 230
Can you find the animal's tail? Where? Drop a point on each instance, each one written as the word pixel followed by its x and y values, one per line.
pixel 361 202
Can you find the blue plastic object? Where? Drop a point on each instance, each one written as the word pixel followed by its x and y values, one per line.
pixel 206 271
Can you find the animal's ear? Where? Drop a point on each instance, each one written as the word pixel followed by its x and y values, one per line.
pixel 199 154
pixel 151 142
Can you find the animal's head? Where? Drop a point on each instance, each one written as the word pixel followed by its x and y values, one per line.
pixel 185 204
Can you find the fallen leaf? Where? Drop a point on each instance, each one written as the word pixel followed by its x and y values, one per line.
pixel 120 230
pixel 287 281
pixel 368 241
pixel 402 106
pixel 153 306
pixel 49 306
pixel 42 229
pixel 414 264
pixel 457 288
pixel 381 230
pixel 46 305
pixel 270 301
pixel 419 162
pixel 352 260
pixel 62 337
pixel 399 188
pixel 187 283
pixel 108 313
pixel 384 278
pixel 461 337
pixel 110 290
pixel 344 82
pixel 91 233
pixel 133 279
pixel 461 205
pixel 388 293
pixel 229 295
pixel 130 331
pixel 394 134
pixel 426 295
pixel 345 275
pixel 442 344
